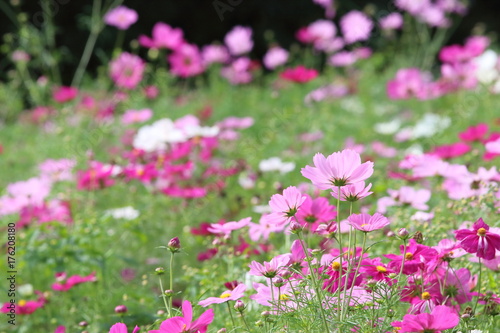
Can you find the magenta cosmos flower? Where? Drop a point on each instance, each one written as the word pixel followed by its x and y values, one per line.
pixel 163 36
pixel 299 74
pixel 367 222
pixel 64 284
pixel 479 240
pixel 228 295
pixel 441 318
pixel 285 206
pixel 338 169
pixel 121 17
pixel 121 328
pixel 186 61
pixel 186 324
pixel 127 70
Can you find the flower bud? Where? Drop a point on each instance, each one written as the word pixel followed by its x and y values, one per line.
pixel 295 227
pixel 403 233
pixel 120 309
pixel 169 293
pixel 160 271
pixel 265 314
pixel 259 323
pixel 279 282
pixel 286 274
pixel 222 330
pixel 174 245
pixel 83 324
pixel 239 306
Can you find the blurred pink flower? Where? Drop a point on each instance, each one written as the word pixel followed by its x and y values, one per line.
pixel 65 94
pixel 441 318
pixel 299 74
pixel 367 222
pixel 214 54
pixel 474 133
pixel 136 116
pixel 238 72
pixel 355 27
pixel 163 36
pixel 185 323
pixel 239 40
pixel 275 56
pixel 343 59
pixel 121 328
pixel 64 284
pixel 127 70
pixel 121 17
pixel 493 146
pixel 228 295
pixel 392 21
pixel 186 61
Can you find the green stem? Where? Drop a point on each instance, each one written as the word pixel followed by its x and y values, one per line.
pixel 231 314
pixel 478 286
pixel 164 297
pixel 245 322
pixel 339 239
pixel 96 27
pixel 171 276
pixel 315 283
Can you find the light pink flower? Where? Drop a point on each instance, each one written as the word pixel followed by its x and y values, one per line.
pixel 127 70
pixel 275 56
pixel 441 318
pixel 355 27
pixel 121 17
pixel 164 36
pixel 239 40
pixel 228 295
pixel 343 59
pixel 214 54
pixel 367 222
pixel 238 72
pixel 228 227
pixel 264 228
pixel 352 192
pixel 57 170
pixel 321 30
pixel 186 61
pixel 493 146
pixel 338 169
pixel 136 116
pixel 269 269
pixel 392 21
pixel 285 206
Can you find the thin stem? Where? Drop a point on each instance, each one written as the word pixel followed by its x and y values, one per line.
pixel 171 276
pixel 231 314
pixel 478 286
pixel 96 27
pixel 339 239
pixel 245 322
pixel 164 297
pixel 315 283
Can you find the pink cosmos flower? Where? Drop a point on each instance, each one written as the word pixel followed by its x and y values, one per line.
pixel 355 27
pixel 164 36
pixel 238 72
pixel 121 17
pixel 392 21
pixel 330 91
pixel 285 206
pixel 479 240
pixel 64 284
pixel 352 192
pixel 314 212
pixel 136 116
pixel 60 329
pixel 127 70
pixel 264 228
pixel 299 74
pixel 415 257
pixel 121 328
pixel 228 227
pixel 367 223
pixel 268 295
pixel 321 30
pixel 441 318
pixel 493 147
pixel 186 324
pixel 65 94
pixel 343 59
pixel 269 269
pixel 96 177
pixel 451 151
pixel 408 83
pixel 338 169
pixel 275 57
pixel 214 54
pixel 186 61
pixel 239 40
pixel 228 295
pixel 24 307
pixel 474 133
pixel 151 92
pixel 57 170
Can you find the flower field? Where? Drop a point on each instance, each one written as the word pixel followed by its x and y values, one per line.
pixel 347 183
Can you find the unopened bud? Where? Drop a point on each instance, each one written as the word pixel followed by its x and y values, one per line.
pixel 403 233
pixel 239 306
pixel 169 293
pixel 83 324
pixel 259 323
pixel 174 245
pixel 279 282
pixel 286 273
pixel 222 330
pixel 295 227
pixel 160 271
pixel 265 314
pixel 120 309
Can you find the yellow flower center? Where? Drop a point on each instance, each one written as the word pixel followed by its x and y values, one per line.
pixel 335 266
pixel 225 295
pixel 409 256
pixel 364 225
pixel 284 297
pixel 481 232
pixel 426 295
pixel 140 172
pixel 22 302
pixel 381 269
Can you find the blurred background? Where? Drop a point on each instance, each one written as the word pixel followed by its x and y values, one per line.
pixel 204 21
